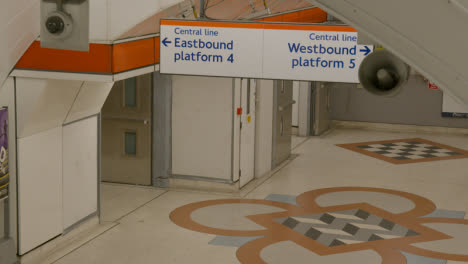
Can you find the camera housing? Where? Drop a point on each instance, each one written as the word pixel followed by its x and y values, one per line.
pixel 59 25
pixel 65 25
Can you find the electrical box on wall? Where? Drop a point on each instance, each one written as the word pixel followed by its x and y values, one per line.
pixel 65 24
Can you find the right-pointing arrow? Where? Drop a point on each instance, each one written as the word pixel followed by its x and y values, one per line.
pixel 366 50
pixel 165 42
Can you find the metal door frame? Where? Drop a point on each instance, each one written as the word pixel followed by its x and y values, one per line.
pixel 315 121
pixel 249 99
pixel 275 116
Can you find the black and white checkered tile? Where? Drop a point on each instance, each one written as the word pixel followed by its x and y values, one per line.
pixel 409 150
pixel 345 227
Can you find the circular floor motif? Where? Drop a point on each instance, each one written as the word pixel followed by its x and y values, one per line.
pixel 330 224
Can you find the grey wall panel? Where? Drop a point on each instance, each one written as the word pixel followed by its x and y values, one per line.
pixel 162 130
pixel 415 105
pixel 264 127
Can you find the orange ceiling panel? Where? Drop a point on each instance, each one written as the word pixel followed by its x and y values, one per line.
pixel 133 55
pixel 157 49
pixel 97 60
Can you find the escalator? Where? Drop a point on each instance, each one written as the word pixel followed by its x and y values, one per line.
pixel 429 35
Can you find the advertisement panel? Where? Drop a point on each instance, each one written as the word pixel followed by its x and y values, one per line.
pixel 4 172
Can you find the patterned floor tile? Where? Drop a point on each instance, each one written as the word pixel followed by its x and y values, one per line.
pixel 346 227
pixel 404 151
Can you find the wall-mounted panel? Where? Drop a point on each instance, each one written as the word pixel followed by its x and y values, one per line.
pixel 80 170
pixel 90 100
pixel 40 188
pixel 202 126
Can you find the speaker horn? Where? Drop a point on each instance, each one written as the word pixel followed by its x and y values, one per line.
pixel 382 73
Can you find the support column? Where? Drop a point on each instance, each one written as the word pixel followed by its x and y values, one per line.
pixel 162 129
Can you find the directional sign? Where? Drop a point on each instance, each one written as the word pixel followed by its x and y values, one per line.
pixel 319 53
pixel 211 48
pixel 261 50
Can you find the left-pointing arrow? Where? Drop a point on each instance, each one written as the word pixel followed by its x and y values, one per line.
pixel 165 42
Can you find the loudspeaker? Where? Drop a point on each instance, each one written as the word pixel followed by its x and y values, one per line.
pixel 382 73
pixel 65 24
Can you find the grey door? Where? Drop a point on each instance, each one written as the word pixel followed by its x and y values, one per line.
pixel 126 132
pixel 283 121
pixel 321 112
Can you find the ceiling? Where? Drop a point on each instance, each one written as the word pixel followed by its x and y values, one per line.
pixel 216 9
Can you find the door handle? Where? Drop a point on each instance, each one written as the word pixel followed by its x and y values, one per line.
pixel 282 107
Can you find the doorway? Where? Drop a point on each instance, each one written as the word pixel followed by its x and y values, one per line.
pixel 126 150
pixel 126 132
pixel 282 139
pixel 247 133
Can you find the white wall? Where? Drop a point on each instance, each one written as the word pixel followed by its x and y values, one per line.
pixel 264 127
pixel 19 27
pixel 80 170
pixel 202 126
pixel 57 165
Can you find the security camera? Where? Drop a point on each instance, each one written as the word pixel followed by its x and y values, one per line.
pixel 65 24
pixel 59 24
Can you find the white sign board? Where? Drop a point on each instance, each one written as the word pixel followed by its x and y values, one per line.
pixel 259 50
pixel 452 108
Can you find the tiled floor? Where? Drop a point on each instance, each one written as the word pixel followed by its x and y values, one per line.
pixel 118 200
pixel 296 141
pixel 240 230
